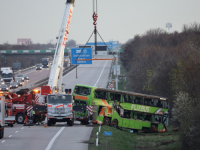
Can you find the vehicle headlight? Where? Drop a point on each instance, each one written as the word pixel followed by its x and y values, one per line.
pixel 22 78
pixel 6 88
pixel 20 83
pixel 2 83
pixel 0 89
pixel 16 85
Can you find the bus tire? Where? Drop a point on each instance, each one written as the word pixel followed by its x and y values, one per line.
pixel 106 121
pixel 11 125
pixel 20 118
pixel 114 123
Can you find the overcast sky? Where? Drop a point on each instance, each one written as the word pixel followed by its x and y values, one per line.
pixel 118 20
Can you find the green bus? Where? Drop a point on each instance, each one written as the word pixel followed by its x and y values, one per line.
pixel 114 107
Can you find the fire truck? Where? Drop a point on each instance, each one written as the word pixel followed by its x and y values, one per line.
pixel 59 102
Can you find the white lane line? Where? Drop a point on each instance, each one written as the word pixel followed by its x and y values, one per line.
pixel 3 141
pixel 10 136
pixel 54 138
pixel 89 74
pixel 16 131
pixel 101 73
pixel 22 128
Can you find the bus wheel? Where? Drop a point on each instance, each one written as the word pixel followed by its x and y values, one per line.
pixel 114 123
pixel 106 121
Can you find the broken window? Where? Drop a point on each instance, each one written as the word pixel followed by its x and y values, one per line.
pixel 147 117
pixel 82 90
pixel 101 95
pixel 158 118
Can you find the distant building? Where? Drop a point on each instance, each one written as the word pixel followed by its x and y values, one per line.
pixel 23 41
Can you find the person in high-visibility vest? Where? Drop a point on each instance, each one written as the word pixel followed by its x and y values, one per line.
pixel 33 116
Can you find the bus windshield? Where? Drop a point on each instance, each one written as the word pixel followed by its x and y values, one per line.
pixel 59 99
pixel 7 75
pixel 82 90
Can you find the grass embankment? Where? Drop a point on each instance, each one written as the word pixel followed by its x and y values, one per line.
pixel 124 140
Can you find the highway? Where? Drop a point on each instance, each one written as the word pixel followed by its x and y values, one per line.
pixel 60 136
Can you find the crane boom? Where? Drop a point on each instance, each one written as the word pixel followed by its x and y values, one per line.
pixel 57 65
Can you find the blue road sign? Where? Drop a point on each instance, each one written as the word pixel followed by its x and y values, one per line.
pixel 86 54
pixel 107 133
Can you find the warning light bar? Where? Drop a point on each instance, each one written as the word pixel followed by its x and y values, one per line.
pixel 36 91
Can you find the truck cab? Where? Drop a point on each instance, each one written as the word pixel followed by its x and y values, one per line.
pixel 60 109
pixel 7 76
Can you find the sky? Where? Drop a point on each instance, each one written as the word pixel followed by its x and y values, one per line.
pixel 118 20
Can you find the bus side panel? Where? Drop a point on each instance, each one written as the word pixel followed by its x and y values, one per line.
pixel 132 123
pixel 138 124
pixel 125 123
pixel 146 124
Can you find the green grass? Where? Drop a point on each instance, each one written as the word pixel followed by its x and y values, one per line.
pixel 124 140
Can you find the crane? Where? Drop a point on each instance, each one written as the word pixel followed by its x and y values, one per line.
pixel 59 104
pixel 57 65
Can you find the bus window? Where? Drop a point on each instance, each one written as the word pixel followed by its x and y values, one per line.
pixel 138 100
pixel 158 118
pixel 82 90
pixel 112 96
pixel 127 114
pixel 130 99
pixel 126 99
pixel 139 116
pixel 117 97
pixel 147 102
pixel 147 117
pixel 159 104
pixel 101 95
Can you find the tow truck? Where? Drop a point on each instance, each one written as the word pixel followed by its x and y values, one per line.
pixel 59 102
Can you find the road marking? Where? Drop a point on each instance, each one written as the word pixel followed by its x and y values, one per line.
pixel 89 74
pixel 54 138
pixel 10 135
pixel 22 128
pixel 3 141
pixel 16 131
pixel 101 73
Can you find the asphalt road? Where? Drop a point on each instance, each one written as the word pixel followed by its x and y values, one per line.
pixel 60 136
